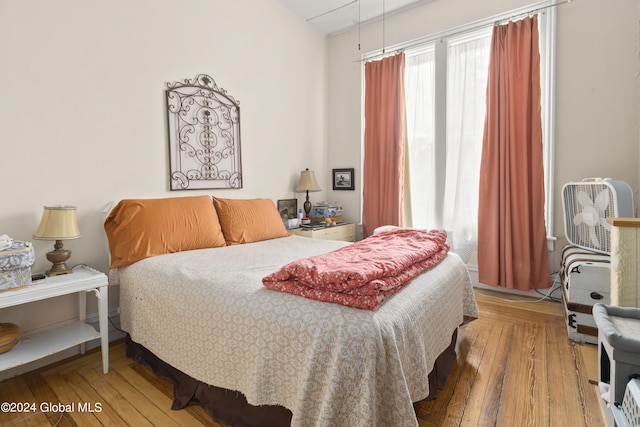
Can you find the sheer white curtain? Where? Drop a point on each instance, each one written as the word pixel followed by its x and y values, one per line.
pixel 467 70
pixel 420 184
pixel 444 168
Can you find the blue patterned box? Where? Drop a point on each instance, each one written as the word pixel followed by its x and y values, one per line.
pixel 15 265
pixel 323 210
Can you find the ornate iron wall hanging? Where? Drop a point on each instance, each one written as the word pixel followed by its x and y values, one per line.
pixel 204 135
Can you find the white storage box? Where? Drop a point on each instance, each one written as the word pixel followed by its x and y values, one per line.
pixel 628 414
pixel 15 265
pixel 618 348
pixel 586 280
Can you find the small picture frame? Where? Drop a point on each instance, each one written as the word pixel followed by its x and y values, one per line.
pixel 288 208
pixel 343 179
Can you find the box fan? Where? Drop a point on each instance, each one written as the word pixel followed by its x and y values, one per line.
pixel 588 204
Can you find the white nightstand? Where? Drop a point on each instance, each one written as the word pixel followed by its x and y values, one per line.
pixel 345 232
pixel 36 345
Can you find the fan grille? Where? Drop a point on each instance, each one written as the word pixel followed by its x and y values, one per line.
pixel 587 207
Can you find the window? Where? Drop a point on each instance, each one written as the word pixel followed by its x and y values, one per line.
pixel 445 89
pixel 444 134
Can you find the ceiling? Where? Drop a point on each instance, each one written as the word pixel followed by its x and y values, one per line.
pixel 334 16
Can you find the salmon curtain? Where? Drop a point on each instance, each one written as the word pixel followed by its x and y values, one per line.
pixel 512 247
pixel 383 143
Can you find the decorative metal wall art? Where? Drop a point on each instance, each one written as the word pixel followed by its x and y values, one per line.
pixel 204 135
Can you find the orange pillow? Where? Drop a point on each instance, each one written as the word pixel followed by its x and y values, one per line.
pixel 142 228
pixel 249 220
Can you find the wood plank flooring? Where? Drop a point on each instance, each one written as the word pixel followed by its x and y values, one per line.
pixel 515 366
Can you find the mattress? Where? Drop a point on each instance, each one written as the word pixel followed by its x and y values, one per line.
pixel 206 313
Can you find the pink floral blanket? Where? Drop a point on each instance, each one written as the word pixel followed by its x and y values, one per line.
pixel 363 274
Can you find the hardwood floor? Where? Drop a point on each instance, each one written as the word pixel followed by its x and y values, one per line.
pixel 515 366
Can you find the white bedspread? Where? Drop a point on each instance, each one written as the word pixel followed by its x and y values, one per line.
pixel 207 313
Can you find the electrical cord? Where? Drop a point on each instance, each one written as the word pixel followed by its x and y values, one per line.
pixel 114 325
pixel 545 296
pixel 554 299
pixel 554 287
pixel 33 415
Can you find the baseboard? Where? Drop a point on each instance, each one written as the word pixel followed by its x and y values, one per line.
pixel 555 282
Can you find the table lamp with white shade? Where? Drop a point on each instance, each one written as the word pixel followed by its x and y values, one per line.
pixel 306 184
pixel 58 223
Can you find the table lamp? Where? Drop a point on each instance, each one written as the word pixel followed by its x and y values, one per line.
pixel 307 183
pixel 58 223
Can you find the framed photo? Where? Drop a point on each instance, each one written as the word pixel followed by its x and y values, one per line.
pixel 343 179
pixel 288 208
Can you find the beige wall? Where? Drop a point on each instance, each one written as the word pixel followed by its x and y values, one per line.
pixel 82 108
pixel 597 89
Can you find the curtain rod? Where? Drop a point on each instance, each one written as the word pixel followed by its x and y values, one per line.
pixel 531 12
pixel 474 26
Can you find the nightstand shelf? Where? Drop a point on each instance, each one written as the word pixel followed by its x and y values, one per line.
pixel 345 232
pixel 42 343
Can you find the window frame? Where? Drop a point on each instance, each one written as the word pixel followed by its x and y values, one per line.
pixel 547 24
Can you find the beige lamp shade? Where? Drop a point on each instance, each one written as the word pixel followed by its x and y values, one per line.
pixel 307 182
pixel 58 223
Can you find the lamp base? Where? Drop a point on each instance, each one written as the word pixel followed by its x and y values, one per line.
pixel 58 269
pixel 58 257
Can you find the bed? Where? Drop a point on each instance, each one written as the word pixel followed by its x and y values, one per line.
pixel 203 317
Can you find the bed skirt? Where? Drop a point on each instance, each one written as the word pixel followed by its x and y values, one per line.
pixel 231 407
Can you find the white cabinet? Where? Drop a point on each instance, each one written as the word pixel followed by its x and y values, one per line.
pixel 43 343
pixel 345 232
